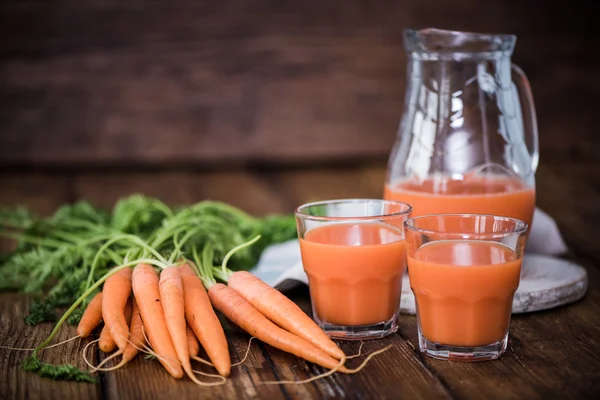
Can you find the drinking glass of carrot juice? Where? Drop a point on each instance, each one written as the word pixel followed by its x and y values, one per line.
pixel 464 270
pixel 354 255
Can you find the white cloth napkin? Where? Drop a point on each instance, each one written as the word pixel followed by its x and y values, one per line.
pixel 280 265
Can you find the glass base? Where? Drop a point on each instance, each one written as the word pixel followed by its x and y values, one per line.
pixel 360 332
pixel 462 353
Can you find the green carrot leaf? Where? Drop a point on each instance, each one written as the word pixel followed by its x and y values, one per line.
pixel 64 372
pixel 41 311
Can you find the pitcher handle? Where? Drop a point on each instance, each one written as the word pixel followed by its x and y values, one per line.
pixel 529 117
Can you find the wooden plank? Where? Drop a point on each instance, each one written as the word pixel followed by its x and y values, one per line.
pixel 299 186
pixel 18 384
pixel 239 188
pixel 570 193
pixel 147 379
pixel 41 192
pixel 394 374
pixel 198 82
pixel 551 354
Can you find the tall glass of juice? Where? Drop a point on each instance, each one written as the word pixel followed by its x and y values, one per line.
pixel 354 255
pixel 464 270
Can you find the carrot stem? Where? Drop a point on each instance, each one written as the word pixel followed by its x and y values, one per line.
pixel 105 246
pixel 235 250
pixel 31 239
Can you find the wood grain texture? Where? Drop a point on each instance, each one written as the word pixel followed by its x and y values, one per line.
pixel 180 82
pixel 41 192
pixel 157 383
pixel 17 384
pixel 551 354
pixel 240 188
pixel 570 192
pixel 548 352
pixel 396 374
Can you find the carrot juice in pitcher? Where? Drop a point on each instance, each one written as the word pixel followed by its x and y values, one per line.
pixel 492 195
pixel 467 141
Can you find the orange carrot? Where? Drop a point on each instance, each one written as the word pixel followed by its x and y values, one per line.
pixel 116 291
pixel 171 296
pixel 136 337
pixel 91 316
pixel 106 341
pixel 282 311
pixel 193 345
pixel 243 314
pixel 204 322
pixel 146 290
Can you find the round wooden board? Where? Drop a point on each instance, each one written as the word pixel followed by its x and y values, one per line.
pixel 546 282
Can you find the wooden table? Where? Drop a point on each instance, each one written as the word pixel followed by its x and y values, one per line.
pixel 552 354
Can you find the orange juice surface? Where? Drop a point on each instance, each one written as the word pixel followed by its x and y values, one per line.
pixel 354 271
pixel 464 290
pixel 500 196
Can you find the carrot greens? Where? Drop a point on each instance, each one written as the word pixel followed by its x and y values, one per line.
pixel 63 260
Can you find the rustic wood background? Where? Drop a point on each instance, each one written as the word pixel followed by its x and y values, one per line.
pixel 267 104
pixel 190 82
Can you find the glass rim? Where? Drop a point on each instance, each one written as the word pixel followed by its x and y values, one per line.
pixel 452 44
pixel 300 214
pixel 520 226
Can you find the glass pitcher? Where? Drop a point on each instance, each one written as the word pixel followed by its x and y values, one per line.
pixel 467 141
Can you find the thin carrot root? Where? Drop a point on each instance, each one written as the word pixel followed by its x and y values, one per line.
pixel 202 360
pixel 148 350
pixel 143 349
pixel 107 359
pixel 193 378
pixel 334 370
pixel 359 352
pixel 84 352
pixel 243 360
pixel 312 379
pixel 45 348
pixel 222 378
pixel 366 361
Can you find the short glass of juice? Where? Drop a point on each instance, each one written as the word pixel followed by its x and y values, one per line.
pixel 464 270
pixel 354 255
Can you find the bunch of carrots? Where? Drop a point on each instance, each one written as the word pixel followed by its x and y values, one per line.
pixel 174 310
pixel 159 299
